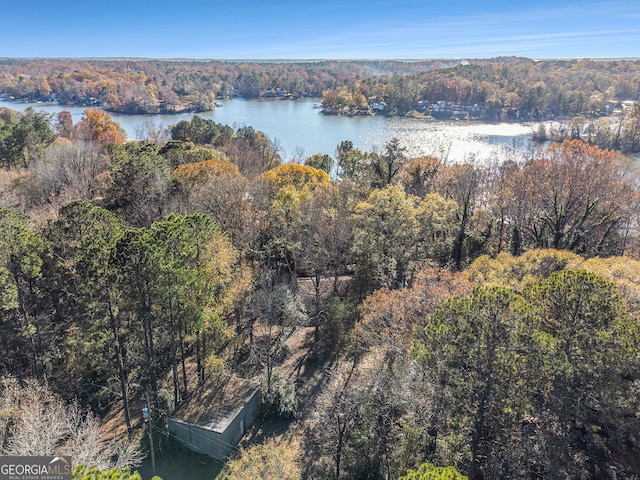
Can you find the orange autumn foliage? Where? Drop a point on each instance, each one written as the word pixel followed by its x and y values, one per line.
pixel 389 317
pixel 97 125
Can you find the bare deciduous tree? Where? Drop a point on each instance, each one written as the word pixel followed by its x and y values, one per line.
pixel 70 170
pixel 34 421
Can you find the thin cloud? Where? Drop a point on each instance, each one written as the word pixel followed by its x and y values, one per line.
pixel 532 32
pixel 353 29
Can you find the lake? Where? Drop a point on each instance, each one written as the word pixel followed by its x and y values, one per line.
pixel 301 130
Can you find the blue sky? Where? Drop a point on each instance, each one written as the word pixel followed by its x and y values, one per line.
pixel 319 29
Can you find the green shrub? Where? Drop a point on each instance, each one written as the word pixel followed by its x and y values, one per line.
pixel 278 399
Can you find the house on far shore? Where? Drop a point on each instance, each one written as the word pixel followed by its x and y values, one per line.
pixel 214 418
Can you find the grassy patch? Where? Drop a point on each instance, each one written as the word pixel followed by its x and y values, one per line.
pixel 176 462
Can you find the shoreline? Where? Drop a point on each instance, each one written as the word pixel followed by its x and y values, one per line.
pixel 411 114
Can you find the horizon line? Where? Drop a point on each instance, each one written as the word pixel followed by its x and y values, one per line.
pixel 317 59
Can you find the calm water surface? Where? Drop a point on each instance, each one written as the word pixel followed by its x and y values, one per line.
pixel 301 130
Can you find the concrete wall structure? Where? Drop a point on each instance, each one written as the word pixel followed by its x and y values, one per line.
pixel 217 438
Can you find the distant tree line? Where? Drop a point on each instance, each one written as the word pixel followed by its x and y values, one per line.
pixel 517 89
pixel 157 86
pixel 507 88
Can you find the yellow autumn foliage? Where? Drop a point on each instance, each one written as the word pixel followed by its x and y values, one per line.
pixel 223 269
pixel 200 172
pixel 298 176
pixel 515 272
pixel 271 461
pixel 624 272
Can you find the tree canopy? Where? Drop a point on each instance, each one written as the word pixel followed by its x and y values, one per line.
pixel 398 313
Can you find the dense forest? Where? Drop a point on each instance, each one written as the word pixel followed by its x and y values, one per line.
pixel 518 88
pixel 154 86
pixel 405 316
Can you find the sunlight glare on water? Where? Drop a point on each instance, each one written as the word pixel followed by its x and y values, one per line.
pixel 456 142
